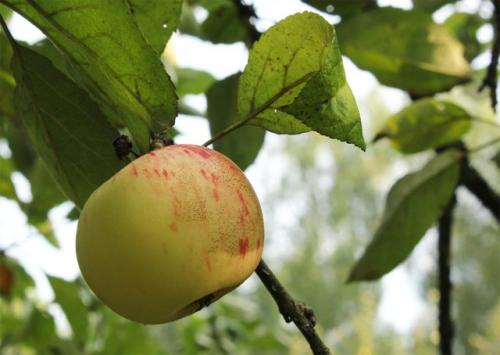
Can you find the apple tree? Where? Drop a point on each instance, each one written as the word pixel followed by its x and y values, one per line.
pixel 96 98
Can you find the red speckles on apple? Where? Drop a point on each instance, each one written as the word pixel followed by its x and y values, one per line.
pixel 165 173
pixel 208 264
pixel 243 246
pixel 134 170
pixel 202 152
pixel 152 154
pixel 204 173
pixel 157 172
pixel 173 227
pixel 216 195
pixel 243 203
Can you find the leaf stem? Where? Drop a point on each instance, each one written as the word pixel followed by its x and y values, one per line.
pixel 292 310
pixel 259 110
pixel 484 145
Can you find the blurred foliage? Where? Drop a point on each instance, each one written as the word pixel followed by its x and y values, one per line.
pixel 319 217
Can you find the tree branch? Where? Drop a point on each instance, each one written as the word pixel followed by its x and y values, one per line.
pixel 446 330
pixel 247 16
pixel 490 80
pixel 292 310
pixel 476 184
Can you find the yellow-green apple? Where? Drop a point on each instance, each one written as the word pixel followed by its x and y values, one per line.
pixel 172 231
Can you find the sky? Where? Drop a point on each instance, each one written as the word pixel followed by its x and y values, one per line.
pixel 400 305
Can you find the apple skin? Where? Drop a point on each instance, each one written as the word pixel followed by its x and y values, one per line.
pixel 173 230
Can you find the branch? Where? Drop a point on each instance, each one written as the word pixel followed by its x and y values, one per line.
pixel 490 80
pixel 476 184
pixel 446 330
pixel 248 16
pixel 292 310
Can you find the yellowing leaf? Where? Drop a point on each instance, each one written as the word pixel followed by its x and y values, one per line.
pixel 426 124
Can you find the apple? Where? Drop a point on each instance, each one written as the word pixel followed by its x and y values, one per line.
pixel 171 232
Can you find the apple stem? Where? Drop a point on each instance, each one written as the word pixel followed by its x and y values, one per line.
pixel 292 310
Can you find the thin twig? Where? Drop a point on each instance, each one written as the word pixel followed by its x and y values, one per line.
pixel 490 80
pixel 446 330
pixel 476 184
pixel 292 310
pixel 247 16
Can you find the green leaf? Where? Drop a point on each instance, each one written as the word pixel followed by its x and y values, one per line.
pixel 157 20
pixel 294 82
pixel 65 125
pixel 426 124
pixel 405 49
pixel 223 24
pixel 465 26
pixel 68 297
pixel 344 8
pixel 23 155
pixel 117 65
pixel 243 144
pixel 192 81
pixel 39 331
pixel 430 5
pixel 414 204
pixel 6 186
pixel 7 82
pixel 127 338
pixel 46 195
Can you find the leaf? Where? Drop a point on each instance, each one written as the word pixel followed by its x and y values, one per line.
pixel 414 204
pixel 157 20
pixel 6 186
pixel 405 49
pixel 23 155
pixel 127 338
pixel 344 8
pixel 294 82
pixel 430 5
pixel 7 82
pixel 426 124
pixel 65 125
pixel 39 331
pixel 243 144
pixel 223 24
pixel 68 297
pixel 120 69
pixel 46 195
pixel 465 26
pixel 192 81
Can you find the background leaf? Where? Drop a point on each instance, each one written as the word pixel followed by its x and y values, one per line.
pixel 67 296
pixel 405 49
pixel 413 205
pixel 192 81
pixel 344 8
pixel 465 26
pixel 6 186
pixel 116 64
pixel 221 25
pixel 243 144
pixel 426 124
pixel 294 81
pixel 157 20
pixel 430 5
pixel 66 126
